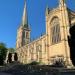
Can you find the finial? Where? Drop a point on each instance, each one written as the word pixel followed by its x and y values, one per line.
pixel 47 10
pixel 62 2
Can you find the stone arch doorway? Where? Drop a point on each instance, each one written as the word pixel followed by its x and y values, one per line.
pixel 9 58
pixel 71 41
pixel 12 57
pixel 15 57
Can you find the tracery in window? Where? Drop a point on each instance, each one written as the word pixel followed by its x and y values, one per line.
pixel 55 31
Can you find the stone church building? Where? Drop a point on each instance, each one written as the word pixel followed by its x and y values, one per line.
pixel 54 44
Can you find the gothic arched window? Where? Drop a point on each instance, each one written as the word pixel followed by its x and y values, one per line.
pixel 55 30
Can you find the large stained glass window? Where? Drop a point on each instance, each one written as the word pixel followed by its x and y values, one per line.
pixel 55 30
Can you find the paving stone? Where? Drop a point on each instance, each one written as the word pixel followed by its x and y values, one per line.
pixel 2 73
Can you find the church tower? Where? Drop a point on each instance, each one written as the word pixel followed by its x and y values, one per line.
pixel 23 32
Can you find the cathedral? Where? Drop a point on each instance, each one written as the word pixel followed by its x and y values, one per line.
pixel 52 46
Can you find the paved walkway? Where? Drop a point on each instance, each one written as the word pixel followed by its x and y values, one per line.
pixel 1 73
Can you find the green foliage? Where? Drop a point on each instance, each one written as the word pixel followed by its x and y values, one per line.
pixel 3 51
pixel 59 63
pixel 34 63
pixel 11 50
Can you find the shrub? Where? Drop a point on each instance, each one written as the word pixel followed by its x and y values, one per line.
pixel 34 63
pixel 59 63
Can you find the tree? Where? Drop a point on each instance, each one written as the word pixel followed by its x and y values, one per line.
pixel 11 50
pixel 3 52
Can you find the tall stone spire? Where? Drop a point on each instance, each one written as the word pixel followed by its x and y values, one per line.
pixel 25 18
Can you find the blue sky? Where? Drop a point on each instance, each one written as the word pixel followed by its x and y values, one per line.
pixel 11 15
